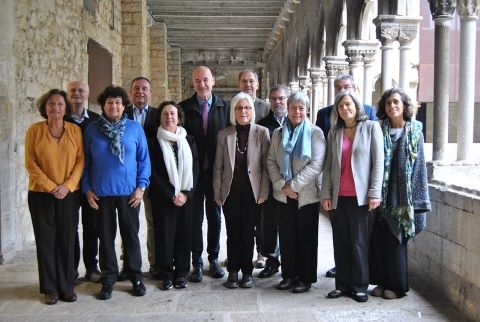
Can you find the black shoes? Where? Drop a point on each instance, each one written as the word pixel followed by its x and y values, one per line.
pixel 268 271
pixel 138 288
pixel 196 275
pixel 180 282
pixel 166 285
pixel 247 281
pixel 106 292
pixel 335 294
pixel 232 280
pixel 331 272
pixel 215 270
pixel 301 287
pixel 286 284
pixel 93 275
pixel 70 297
pixel 360 297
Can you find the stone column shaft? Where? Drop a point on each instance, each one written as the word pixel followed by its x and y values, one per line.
pixel 467 87
pixel 441 87
pixel 334 66
pixel 368 80
pixel 317 91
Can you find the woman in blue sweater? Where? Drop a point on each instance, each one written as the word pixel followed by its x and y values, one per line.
pixel 117 171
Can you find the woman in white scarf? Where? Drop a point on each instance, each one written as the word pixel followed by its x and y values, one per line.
pixel 173 157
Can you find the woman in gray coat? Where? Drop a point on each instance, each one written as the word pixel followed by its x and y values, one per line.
pixel 351 189
pixel 295 162
pixel 240 185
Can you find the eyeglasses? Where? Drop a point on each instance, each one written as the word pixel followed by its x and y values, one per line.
pixel 344 87
pixel 243 108
pixel 280 98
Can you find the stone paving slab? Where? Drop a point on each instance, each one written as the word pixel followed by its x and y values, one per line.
pixel 210 300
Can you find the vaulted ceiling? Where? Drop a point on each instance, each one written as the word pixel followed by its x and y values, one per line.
pixel 219 25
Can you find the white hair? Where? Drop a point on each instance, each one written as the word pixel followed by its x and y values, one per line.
pixel 237 98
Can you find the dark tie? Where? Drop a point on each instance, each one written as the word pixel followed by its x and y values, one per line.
pixel 205 116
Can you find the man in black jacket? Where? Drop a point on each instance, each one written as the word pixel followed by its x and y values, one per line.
pixel 205 115
pixel 269 227
pixel 144 114
pixel 77 94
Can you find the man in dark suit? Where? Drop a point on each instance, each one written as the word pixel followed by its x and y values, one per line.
pixel 269 221
pixel 77 94
pixel 205 115
pixel 143 113
pixel 248 83
pixel 342 83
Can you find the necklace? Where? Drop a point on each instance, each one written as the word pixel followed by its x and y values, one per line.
pixel 50 130
pixel 350 127
pixel 244 150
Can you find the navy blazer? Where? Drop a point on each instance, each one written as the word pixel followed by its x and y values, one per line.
pixel 152 120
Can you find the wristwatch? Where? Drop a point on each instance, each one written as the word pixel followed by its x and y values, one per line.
pixel 142 188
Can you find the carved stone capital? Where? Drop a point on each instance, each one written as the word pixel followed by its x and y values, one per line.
pixel 442 8
pixel 334 65
pixel 387 29
pixel 468 8
pixel 358 50
pixel 316 76
pixel 407 33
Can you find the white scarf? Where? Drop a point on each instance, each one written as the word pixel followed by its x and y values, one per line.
pixel 181 178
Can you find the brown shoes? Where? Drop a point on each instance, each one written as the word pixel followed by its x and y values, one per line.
pixel 51 299
pixel 71 297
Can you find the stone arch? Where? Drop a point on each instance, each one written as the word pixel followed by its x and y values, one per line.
pixel 367 28
pixel 333 13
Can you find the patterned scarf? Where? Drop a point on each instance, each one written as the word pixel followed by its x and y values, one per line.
pixel 403 213
pixel 114 131
pixel 298 144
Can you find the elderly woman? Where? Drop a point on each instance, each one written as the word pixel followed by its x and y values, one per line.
pixel 295 162
pixel 117 171
pixel 54 161
pixel 240 185
pixel 404 192
pixel 175 170
pixel 351 189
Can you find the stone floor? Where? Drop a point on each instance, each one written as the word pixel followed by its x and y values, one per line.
pixel 209 300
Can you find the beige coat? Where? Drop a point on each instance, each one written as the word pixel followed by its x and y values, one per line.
pixel 258 142
pixel 306 174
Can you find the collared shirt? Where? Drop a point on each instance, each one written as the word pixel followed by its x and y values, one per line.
pixel 201 101
pixel 140 116
pixel 81 118
pixel 280 119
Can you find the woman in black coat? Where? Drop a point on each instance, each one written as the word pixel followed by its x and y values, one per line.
pixel 174 175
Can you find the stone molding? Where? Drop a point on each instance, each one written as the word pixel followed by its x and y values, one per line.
pixel 335 65
pixel 442 8
pixel 468 8
pixel 360 51
pixel 316 75
pixel 396 28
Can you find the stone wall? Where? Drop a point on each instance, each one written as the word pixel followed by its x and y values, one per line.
pixel 446 257
pixel 49 49
pixel 175 74
pixel 158 62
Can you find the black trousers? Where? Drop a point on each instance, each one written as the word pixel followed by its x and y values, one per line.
pixel 298 232
pixel 241 213
pixel 269 231
pixel 351 228
pixel 388 259
pixel 54 228
pixel 90 235
pixel 129 224
pixel 203 203
pixel 172 228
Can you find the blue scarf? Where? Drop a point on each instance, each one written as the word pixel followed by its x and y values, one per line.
pixel 114 131
pixel 295 144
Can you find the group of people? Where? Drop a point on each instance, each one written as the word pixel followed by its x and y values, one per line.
pixel 265 165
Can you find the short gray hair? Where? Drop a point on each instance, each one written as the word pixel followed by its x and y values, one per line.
pixel 237 98
pixel 299 97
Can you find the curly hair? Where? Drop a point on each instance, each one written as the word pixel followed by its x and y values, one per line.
pixel 162 105
pixel 408 108
pixel 42 102
pixel 113 91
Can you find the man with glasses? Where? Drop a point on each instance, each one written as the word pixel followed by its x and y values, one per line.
pixel 343 82
pixel 269 220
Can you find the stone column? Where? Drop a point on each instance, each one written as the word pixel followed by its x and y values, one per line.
pixel 407 32
pixel 442 11
pixel 334 66
pixel 174 68
pixel 468 11
pixel 159 62
pixel 387 32
pixel 368 64
pixel 316 77
pixel 362 51
pixel 10 224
